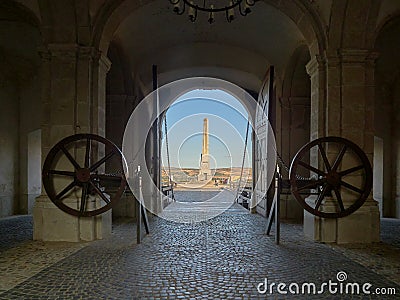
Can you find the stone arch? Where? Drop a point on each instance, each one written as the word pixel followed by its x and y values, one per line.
pixel 301 12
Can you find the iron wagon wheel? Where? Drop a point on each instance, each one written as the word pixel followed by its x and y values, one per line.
pixel 333 178
pixel 79 179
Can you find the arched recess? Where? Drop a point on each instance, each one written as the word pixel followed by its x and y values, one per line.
pixel 387 119
pixel 294 122
pixel 20 102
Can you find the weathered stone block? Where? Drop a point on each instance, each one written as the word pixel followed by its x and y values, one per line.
pixel 52 224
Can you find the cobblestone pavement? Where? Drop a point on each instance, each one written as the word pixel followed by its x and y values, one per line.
pixel 384 257
pixel 194 196
pixel 14 231
pixel 20 257
pixel 201 206
pixel 222 258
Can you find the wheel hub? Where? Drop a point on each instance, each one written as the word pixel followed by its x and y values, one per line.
pixel 83 175
pixel 333 178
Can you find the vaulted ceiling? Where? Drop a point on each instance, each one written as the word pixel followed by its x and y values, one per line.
pixel 240 51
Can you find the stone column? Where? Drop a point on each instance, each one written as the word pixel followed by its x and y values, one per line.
pixel 73 99
pixel 205 171
pixel 347 111
pixel 205 137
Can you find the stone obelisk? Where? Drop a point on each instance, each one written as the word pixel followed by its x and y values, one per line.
pixel 205 171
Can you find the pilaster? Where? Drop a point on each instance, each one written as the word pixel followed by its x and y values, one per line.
pixel 346 111
pixel 316 69
pixel 73 96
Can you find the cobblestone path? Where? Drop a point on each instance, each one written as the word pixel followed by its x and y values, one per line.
pixel 222 258
pixel 14 231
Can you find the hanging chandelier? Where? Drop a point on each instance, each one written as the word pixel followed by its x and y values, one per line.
pixel 193 6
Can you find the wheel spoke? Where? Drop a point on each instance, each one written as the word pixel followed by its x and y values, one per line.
pixel 65 190
pixel 311 168
pixel 321 197
pixel 339 158
pixel 339 198
pixel 346 172
pixel 63 173
pixel 83 198
pixel 70 158
pixel 351 187
pixel 100 193
pixel 324 157
pixel 312 184
pixel 87 153
pixel 102 161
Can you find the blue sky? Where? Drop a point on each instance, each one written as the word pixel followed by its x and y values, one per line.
pixel 227 121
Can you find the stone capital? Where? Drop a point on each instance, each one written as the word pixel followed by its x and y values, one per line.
pixel 104 63
pixel 317 63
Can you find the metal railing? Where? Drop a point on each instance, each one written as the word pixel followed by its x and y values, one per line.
pixel 244 197
pixel 168 197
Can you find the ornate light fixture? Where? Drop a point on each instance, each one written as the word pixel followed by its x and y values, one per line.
pixel 243 6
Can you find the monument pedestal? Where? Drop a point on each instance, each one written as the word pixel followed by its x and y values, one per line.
pixel 205 173
pixel 362 226
pixel 51 224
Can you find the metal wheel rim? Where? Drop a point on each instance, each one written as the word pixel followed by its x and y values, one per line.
pixel 366 188
pixel 49 184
